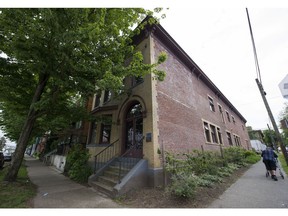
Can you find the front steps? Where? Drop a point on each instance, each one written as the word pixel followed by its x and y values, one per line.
pixel 113 183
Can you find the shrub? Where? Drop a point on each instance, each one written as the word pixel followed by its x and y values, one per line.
pixel 203 169
pixel 234 155
pixel 77 164
pixel 251 159
pixel 207 180
pixel 183 185
pixel 203 162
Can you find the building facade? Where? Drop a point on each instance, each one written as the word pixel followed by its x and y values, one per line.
pixel 186 111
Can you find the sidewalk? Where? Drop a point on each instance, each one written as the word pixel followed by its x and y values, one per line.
pixel 57 191
pixel 254 190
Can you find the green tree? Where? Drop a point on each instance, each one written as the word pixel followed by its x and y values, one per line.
pixel 270 138
pixel 49 56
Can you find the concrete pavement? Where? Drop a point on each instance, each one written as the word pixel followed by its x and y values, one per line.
pixel 57 191
pixel 254 190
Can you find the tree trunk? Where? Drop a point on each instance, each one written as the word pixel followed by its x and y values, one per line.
pixel 26 131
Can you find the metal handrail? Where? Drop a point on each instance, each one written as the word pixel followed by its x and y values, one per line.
pixel 130 162
pixel 103 157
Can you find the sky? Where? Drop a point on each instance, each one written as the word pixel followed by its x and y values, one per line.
pixel 219 42
pixel 215 34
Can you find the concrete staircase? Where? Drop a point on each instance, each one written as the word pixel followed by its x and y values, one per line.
pixel 111 176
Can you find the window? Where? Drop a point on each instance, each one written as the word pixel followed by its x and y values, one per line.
pixel 229 138
pixel 285 85
pixel 107 96
pixel 137 80
pixel 97 99
pixel 207 132
pixel 228 116
pixel 106 129
pixel 237 140
pixel 105 133
pixel 233 119
pixel 219 135
pixel 221 113
pixel 212 133
pixel 93 132
pixel 211 104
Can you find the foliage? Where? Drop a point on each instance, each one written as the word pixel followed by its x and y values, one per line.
pixel 234 155
pixel 18 193
pixel 77 164
pixel 52 59
pixel 183 185
pixel 281 158
pixel 204 169
pixel 270 137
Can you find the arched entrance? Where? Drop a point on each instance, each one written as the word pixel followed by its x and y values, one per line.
pixel 134 131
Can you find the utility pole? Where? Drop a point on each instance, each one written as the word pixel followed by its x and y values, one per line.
pixel 278 135
pixel 263 94
pixel 272 138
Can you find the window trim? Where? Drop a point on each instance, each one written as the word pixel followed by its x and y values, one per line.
pixel 212 133
pixel 237 140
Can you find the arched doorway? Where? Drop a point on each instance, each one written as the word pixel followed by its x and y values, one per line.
pixel 134 131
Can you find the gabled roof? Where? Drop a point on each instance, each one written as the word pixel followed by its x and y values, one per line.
pixel 160 33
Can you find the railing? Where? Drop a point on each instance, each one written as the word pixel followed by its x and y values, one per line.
pixel 106 155
pixel 46 158
pixel 126 162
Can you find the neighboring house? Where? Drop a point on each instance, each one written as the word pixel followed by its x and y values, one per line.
pixel 186 111
pixel 257 145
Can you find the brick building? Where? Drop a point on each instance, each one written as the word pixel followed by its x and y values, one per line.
pixel 186 111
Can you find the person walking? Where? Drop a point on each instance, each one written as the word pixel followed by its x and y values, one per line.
pixel 269 159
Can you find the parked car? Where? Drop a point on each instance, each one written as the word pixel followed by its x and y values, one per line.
pixel 1 160
pixel 8 154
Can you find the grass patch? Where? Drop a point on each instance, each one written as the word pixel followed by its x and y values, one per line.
pixel 16 194
pixel 283 163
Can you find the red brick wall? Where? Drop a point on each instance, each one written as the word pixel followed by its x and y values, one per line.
pixel 183 103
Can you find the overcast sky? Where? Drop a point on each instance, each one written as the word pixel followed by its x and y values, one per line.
pixel 215 34
pixel 218 40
